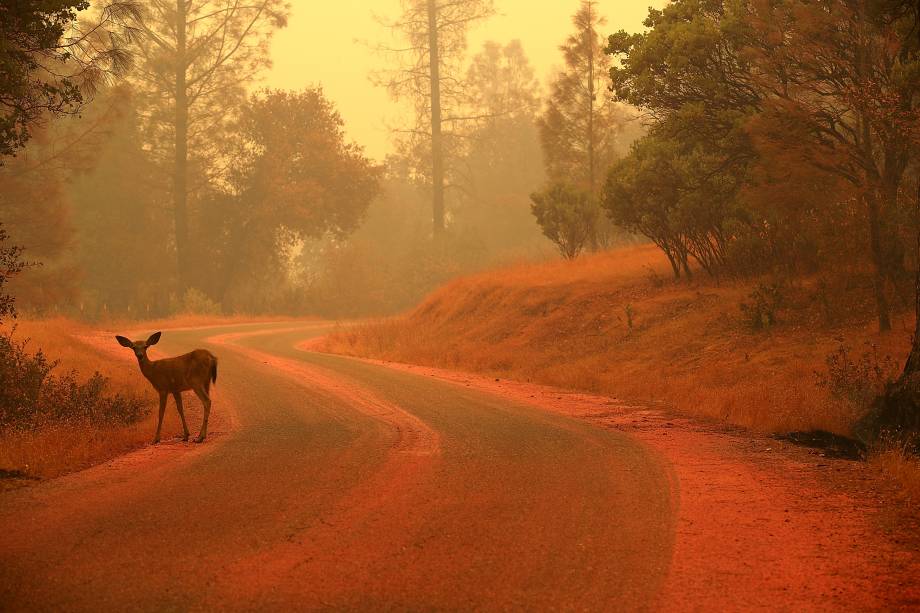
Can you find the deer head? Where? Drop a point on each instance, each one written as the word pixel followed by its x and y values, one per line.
pixel 139 347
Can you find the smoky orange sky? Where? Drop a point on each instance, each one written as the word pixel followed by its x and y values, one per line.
pixel 323 45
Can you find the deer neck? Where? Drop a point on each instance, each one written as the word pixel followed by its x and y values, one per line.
pixel 146 366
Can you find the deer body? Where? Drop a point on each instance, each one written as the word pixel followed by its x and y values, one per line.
pixel 194 371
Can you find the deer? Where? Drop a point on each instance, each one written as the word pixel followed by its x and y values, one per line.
pixel 194 371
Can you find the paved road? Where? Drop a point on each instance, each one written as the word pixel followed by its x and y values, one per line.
pixel 345 485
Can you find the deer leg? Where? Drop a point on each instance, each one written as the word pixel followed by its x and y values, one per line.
pixel 156 438
pixel 178 397
pixel 206 401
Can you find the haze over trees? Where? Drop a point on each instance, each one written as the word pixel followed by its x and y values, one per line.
pixel 393 259
pixel 798 160
pixel 197 58
pixel 581 132
pixel 51 61
pixel 428 74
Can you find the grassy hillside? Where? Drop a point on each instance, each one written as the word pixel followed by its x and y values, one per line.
pixel 615 323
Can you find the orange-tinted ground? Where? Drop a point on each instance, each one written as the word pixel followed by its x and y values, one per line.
pixel 57 449
pixel 760 524
pixel 350 485
pixel 615 323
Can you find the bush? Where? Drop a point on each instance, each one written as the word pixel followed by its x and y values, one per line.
pixel 765 301
pixel 860 380
pixel 749 253
pixel 196 302
pixel 33 395
pixel 566 216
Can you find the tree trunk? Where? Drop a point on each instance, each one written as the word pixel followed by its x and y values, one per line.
pixel 685 263
pixel 592 179
pixel 437 142
pixel 896 412
pixel 180 173
pixel 672 259
pixel 878 259
pixel 912 365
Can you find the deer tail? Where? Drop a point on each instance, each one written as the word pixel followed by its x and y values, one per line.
pixel 213 369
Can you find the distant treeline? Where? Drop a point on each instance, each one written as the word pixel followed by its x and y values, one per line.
pixel 740 137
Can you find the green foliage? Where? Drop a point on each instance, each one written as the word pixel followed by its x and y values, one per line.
pixel 681 185
pixel 567 217
pixel 691 57
pixel 583 130
pixel 32 395
pixel 24 28
pixel 673 193
pixel 48 60
pixel 756 159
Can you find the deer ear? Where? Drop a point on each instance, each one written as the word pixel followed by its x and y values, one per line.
pixel 124 342
pixel 154 338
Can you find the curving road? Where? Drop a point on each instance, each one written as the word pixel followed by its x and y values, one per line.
pixel 346 485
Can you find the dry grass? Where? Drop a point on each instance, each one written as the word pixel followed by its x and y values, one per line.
pixel 57 450
pixel 903 467
pixel 187 321
pixel 568 324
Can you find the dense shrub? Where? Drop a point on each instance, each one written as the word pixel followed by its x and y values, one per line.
pixel 33 395
pixel 567 217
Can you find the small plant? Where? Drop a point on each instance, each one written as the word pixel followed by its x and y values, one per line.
pixel 822 295
pixel 196 302
pixel 764 304
pixel 858 380
pixel 653 277
pixel 32 395
pixel 629 316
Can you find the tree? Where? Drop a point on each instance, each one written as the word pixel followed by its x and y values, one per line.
pixel 709 133
pixel 674 193
pixel 11 264
pixel 429 74
pixel 579 128
pixel 51 63
pixel 197 59
pixel 36 212
pixel 846 74
pixel 501 163
pixel 296 178
pixel 115 213
pixel 567 217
